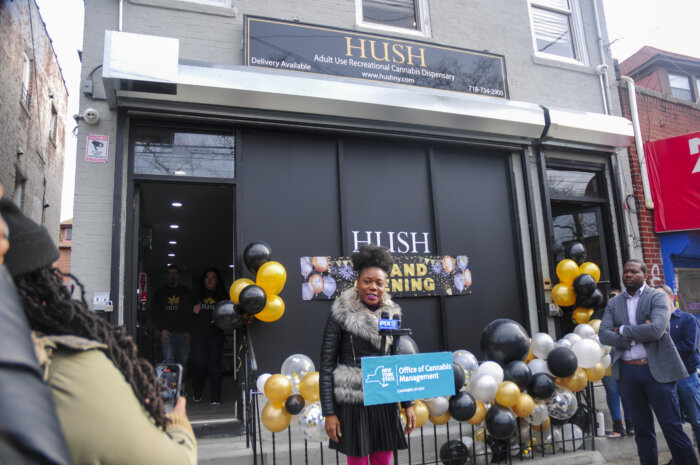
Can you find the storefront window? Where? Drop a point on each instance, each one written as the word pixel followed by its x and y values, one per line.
pixel 174 152
pixel 689 290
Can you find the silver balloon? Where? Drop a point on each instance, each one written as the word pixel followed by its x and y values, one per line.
pixel 465 359
pixel 552 440
pixel 588 352
pixel 607 360
pixel 563 404
pixel 438 406
pixel 539 415
pixel 312 422
pixel 564 343
pixel 584 330
pixel 573 436
pixel 541 345
pixel 524 432
pixel 538 365
pixel 329 286
pixel 483 388
pixel 492 369
pixel 573 338
pixel 295 367
pixel 260 383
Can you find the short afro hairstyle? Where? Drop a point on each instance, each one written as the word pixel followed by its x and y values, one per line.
pixel 369 256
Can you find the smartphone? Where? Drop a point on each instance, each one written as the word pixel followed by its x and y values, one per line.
pixel 170 381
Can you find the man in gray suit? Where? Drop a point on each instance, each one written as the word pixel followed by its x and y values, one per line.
pixel 645 360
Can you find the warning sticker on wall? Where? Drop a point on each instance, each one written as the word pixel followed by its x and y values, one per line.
pixel 96 148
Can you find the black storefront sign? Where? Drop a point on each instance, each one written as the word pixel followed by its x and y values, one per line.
pixel 270 43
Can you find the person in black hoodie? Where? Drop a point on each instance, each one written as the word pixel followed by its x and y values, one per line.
pixel 207 338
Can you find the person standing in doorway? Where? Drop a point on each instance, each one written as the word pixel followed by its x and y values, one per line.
pixel 207 338
pixel 684 332
pixel 647 364
pixel 172 316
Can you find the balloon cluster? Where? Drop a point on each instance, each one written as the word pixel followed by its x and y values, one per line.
pixel 525 384
pixel 578 281
pixel 260 298
pixel 293 391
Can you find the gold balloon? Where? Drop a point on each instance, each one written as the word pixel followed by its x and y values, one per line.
pixel 564 295
pixel 422 413
pixel 236 288
pixel 308 388
pixel 403 419
pixel 582 315
pixel 479 435
pixel 595 324
pixel 530 355
pixel 567 270
pixel 271 277
pixel 544 426
pixel 273 311
pixel 278 388
pixel 275 418
pixel 525 405
pixel 576 382
pixel 596 372
pixel 479 415
pixel 440 420
pixel 508 394
pixel 591 269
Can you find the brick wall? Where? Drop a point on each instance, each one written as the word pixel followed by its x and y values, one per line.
pixel 660 117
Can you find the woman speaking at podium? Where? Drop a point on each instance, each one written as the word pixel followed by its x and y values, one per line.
pixel 367 435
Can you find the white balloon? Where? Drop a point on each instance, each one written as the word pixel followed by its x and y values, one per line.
pixel 492 369
pixel 564 343
pixel 465 359
pixel 262 379
pixel 484 388
pixel 573 338
pixel 572 432
pixel 538 366
pixel 588 352
pixel 541 345
pixel 607 360
pixel 438 406
pixel 539 415
pixel 584 330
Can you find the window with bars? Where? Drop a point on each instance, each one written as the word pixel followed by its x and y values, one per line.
pixel 555 28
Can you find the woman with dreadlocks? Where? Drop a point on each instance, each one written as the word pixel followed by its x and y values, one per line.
pixel 106 397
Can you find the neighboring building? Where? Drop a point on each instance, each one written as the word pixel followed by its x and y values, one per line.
pixel 65 241
pixel 33 105
pixel 668 106
pixel 431 127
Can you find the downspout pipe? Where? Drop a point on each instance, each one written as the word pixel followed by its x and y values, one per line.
pixel 632 93
pixel 602 68
pixel 121 14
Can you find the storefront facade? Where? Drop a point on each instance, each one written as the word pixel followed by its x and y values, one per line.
pixel 317 163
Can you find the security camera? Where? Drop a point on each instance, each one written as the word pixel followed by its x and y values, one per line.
pixel 601 69
pixel 91 116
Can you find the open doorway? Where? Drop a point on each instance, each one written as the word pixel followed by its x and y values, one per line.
pixel 190 225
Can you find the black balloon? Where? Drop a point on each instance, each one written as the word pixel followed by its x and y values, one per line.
pixel 518 372
pixel 541 386
pixel 294 404
pixel 562 362
pixel 227 316
pixel 454 452
pixel 499 450
pixel 575 251
pixel 252 299
pixel 255 255
pixel 501 423
pixel 462 406
pixel 504 340
pixel 595 300
pixel 406 346
pixel 584 285
pixel 460 377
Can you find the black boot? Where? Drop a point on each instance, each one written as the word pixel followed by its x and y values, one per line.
pixel 630 427
pixel 618 428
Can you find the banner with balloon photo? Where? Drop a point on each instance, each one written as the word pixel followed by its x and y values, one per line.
pixel 325 278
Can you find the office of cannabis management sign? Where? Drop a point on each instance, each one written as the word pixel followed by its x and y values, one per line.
pixel 291 46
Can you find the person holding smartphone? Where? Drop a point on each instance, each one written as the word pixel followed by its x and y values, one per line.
pixel 106 397
pixel 207 339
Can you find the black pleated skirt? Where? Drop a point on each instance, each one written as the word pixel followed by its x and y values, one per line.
pixel 368 429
